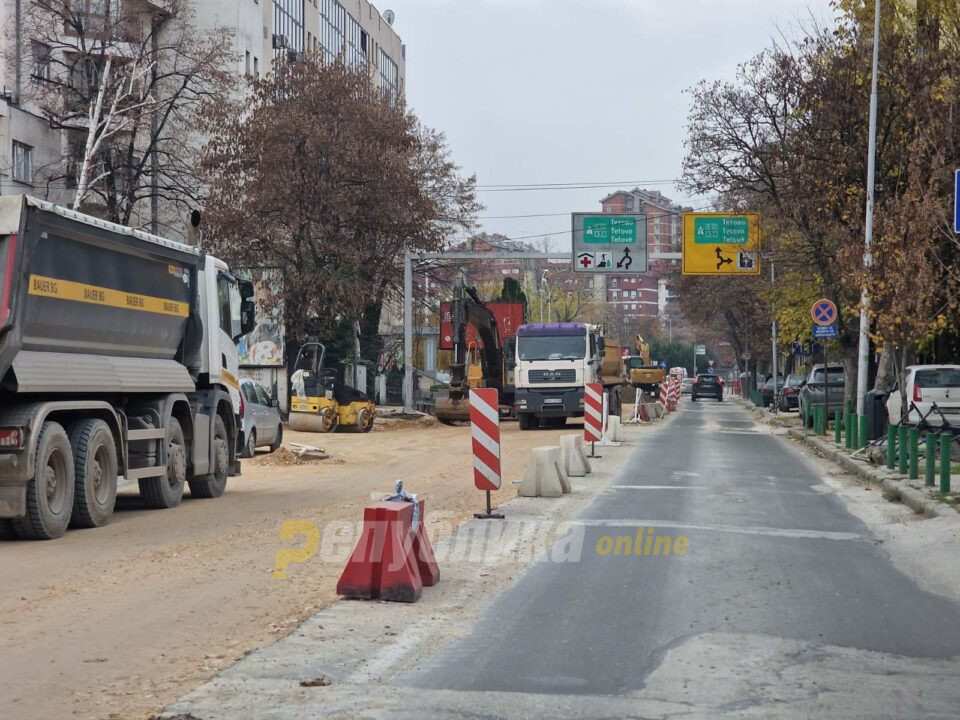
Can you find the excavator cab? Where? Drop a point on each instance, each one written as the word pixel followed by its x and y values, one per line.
pixel 319 402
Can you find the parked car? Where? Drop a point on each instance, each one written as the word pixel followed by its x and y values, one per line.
pixel 817 384
pixel 705 385
pixel 767 392
pixel 262 425
pixel 686 386
pixel 933 395
pixel 788 396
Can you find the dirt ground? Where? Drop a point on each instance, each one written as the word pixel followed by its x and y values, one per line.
pixel 118 621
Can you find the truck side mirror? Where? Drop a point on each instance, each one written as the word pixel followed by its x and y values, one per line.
pixel 601 345
pixel 248 319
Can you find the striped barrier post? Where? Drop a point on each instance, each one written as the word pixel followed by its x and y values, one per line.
pixel 664 394
pixel 593 415
pixel 485 432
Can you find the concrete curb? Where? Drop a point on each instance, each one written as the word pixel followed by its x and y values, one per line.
pixel 895 487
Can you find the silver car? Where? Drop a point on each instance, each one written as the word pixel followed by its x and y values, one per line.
pixel 262 425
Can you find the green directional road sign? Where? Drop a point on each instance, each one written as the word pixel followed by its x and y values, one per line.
pixel 609 242
pixel 721 230
pixel 618 230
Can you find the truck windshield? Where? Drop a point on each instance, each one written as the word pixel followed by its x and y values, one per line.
pixel 565 347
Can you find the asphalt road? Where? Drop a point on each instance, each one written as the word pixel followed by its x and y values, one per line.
pixel 784 604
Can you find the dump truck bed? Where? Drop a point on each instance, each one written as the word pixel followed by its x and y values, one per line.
pixel 86 304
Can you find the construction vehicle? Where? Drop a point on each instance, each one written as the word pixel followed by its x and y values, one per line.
pixel 554 362
pixel 320 402
pixel 118 364
pixel 644 374
pixel 475 365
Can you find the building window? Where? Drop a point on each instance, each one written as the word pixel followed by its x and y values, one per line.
pixel 287 27
pixel 256 66
pixel 22 162
pixel 247 71
pixel 356 44
pixel 389 77
pixel 41 61
pixel 333 26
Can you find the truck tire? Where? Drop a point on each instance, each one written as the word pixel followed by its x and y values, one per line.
pixel 528 421
pixel 277 439
pixel 215 484
pixel 250 449
pixel 166 491
pixel 95 470
pixel 50 490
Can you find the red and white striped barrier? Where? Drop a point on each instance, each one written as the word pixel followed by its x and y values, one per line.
pixel 674 393
pixel 593 412
pixel 485 432
pixel 664 395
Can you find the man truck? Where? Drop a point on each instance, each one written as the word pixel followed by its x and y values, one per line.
pixel 553 363
pixel 118 364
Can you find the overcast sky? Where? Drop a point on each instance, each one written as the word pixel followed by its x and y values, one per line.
pixel 558 91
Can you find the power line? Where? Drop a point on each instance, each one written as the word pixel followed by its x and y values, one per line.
pixel 577 183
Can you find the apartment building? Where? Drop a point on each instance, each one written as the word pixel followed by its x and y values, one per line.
pixel 35 159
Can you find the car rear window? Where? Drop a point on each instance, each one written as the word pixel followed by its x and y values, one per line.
pixel 707 379
pixel 835 376
pixel 941 378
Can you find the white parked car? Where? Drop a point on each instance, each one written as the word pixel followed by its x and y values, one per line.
pixel 933 394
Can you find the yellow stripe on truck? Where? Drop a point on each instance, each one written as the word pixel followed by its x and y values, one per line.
pixel 93 294
pixel 230 379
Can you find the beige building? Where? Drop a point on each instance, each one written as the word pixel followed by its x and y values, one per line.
pixel 262 31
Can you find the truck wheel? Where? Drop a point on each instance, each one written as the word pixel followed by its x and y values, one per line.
pixel 251 447
pixel 215 484
pixel 167 491
pixel 50 490
pixel 277 439
pixel 95 468
pixel 527 421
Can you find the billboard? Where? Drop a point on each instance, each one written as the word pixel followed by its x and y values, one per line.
pixel 263 347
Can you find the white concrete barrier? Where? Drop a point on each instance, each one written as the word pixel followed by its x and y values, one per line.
pixel 615 429
pixel 545 476
pixel 575 460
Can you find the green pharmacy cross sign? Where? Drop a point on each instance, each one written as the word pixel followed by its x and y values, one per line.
pixel 721 230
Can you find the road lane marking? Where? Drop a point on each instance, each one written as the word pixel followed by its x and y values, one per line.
pixel 735 529
pixel 657 487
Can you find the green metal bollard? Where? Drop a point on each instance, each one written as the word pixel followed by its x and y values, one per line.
pixel 806 410
pixel 822 417
pixel 914 453
pixel 848 439
pixel 816 419
pixel 836 426
pixel 946 440
pixel 891 446
pixel 863 431
pixel 902 449
pixel 931 452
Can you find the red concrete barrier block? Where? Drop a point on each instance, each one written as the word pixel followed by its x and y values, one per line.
pixel 390 561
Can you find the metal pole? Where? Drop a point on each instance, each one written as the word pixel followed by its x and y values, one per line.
pixel 408 332
pixel 863 351
pixel 773 334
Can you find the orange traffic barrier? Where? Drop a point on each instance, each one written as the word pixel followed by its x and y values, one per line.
pixel 391 561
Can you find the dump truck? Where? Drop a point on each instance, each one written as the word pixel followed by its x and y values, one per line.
pixel 644 374
pixel 118 364
pixel 554 361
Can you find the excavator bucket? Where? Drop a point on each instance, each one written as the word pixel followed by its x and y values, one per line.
pixel 452 410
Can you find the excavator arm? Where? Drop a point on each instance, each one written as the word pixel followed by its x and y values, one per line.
pixel 468 309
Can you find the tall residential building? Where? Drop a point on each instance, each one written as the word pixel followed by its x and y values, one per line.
pixel 36 159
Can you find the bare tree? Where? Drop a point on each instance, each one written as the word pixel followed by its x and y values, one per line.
pixel 125 82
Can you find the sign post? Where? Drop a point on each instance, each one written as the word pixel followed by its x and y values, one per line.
pixel 609 243
pixel 824 314
pixel 721 244
pixel 485 433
